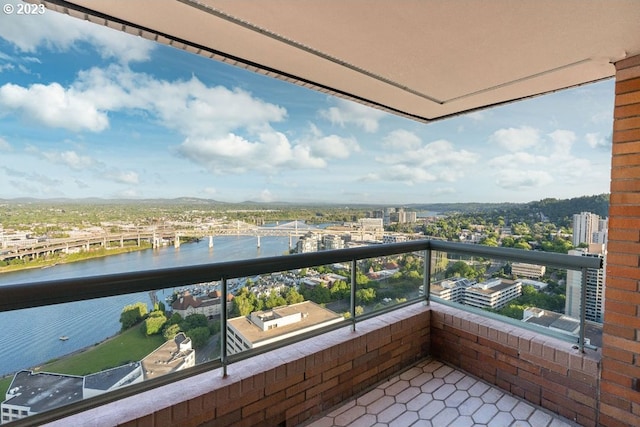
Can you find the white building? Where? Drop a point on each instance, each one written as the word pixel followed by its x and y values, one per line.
pixel 494 293
pixel 265 327
pixel 596 279
pixel 452 289
pixel 332 242
pixel 585 224
pixel 530 271
pixel 310 242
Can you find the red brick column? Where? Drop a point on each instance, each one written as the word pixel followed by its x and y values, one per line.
pixel 620 382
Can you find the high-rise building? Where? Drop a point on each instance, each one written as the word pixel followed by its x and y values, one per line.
pixel 595 286
pixel 585 224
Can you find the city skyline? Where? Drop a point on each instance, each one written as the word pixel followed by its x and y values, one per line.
pixel 86 111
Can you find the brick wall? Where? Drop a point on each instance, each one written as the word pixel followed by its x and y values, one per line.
pixel 545 371
pixel 281 388
pixel 620 403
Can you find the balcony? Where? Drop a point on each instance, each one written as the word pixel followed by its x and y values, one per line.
pixel 297 379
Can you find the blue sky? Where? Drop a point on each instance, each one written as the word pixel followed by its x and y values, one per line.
pixel 86 111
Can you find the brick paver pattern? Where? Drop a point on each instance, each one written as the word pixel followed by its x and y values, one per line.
pixel 432 394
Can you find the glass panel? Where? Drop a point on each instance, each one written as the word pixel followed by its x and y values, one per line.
pixel 59 354
pixel 386 281
pixel 271 307
pixel 549 298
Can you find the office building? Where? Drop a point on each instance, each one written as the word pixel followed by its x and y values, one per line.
pixel 530 271
pixel 494 293
pixel 595 286
pixel 265 327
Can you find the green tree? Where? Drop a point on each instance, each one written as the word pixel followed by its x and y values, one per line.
pixel 132 314
pixel 340 290
pixel 199 336
pixel 175 319
pixel 171 331
pixel 366 296
pixel 244 303
pixel 274 300
pixel 293 296
pixel 489 241
pixel 193 321
pixel 154 323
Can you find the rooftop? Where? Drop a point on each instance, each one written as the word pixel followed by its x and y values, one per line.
pixel 27 388
pixel 313 315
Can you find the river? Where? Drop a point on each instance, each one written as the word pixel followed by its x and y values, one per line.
pixel 32 336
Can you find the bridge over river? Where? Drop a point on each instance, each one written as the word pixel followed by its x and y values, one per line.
pixel 156 237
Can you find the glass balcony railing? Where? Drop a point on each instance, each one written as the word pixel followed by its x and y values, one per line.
pixel 205 317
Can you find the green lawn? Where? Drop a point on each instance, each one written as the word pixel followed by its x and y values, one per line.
pixel 4 386
pixel 129 346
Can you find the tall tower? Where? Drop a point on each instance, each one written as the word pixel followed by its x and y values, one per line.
pixel 584 225
pixel 594 308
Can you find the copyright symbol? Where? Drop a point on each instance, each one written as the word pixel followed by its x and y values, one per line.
pixel 7 9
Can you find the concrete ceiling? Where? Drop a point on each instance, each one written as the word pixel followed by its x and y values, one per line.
pixel 424 59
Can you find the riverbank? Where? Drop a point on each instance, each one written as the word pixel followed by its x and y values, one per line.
pixel 128 346
pixel 71 258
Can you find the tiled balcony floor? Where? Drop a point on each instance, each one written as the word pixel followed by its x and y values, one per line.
pixel 432 394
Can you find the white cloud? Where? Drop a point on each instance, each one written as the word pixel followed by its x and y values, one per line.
pixel 517 160
pixel 333 147
pixel 547 160
pixel 188 106
pixel 53 106
pixel 519 180
pixel 348 112
pixel 402 140
pixel 4 145
pixel 516 139
pixel 605 116
pixel 56 31
pixel 477 116
pixel 595 140
pixel 440 153
pixel 562 141
pixel 123 177
pixel 235 154
pixel 410 161
pixel 70 159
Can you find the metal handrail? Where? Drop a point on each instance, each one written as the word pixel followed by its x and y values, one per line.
pixel 36 294
pixel 20 296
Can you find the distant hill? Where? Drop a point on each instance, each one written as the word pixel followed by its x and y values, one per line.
pixel 561 211
pixel 558 211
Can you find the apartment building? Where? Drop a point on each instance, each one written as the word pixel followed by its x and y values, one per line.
pixel 494 293
pixel 595 285
pixel 530 271
pixel 265 327
pixel 452 289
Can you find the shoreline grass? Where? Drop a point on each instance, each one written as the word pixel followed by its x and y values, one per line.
pixel 131 345
pixel 72 258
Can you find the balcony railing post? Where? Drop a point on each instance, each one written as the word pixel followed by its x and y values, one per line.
pixel 223 328
pixel 583 308
pixel 426 274
pixel 353 295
